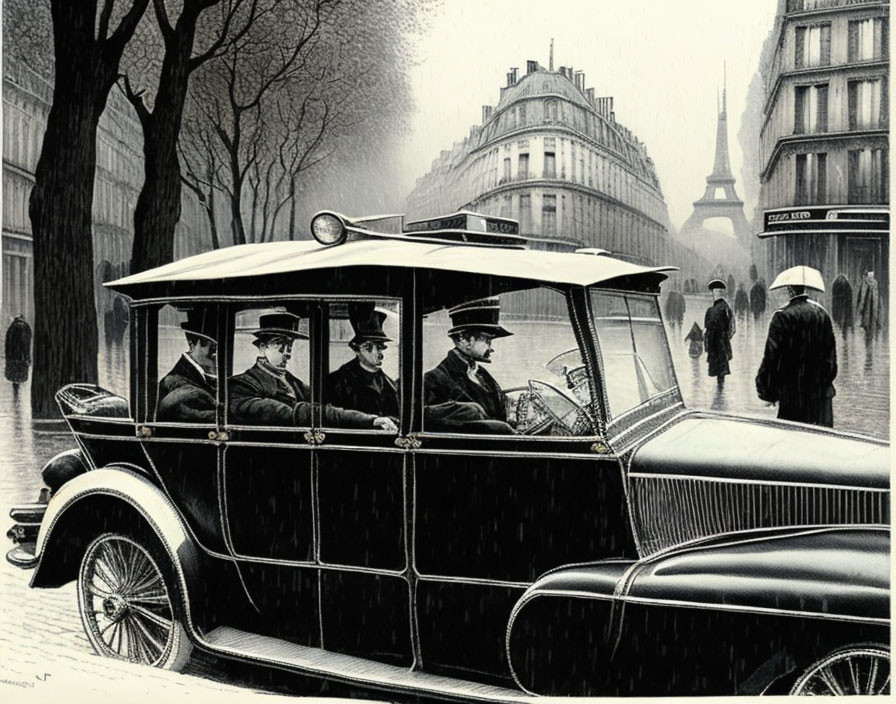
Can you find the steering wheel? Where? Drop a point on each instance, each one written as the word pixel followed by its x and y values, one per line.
pixel 546 407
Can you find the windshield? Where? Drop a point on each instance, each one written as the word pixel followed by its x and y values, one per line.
pixel 633 345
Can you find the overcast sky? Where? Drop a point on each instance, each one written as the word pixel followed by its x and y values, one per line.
pixel 661 60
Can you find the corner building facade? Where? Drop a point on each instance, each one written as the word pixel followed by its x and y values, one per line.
pixel 553 157
pixel 824 142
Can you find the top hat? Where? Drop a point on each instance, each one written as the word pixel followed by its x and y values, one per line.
pixel 200 322
pixel 478 316
pixel 367 322
pixel 279 325
pixel 799 276
pixel 716 283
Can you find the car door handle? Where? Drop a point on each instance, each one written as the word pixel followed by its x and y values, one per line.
pixel 315 437
pixel 408 442
pixel 222 436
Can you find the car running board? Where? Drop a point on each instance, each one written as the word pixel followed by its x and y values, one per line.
pixel 347 668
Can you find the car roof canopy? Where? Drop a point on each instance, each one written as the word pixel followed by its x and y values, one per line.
pixel 307 267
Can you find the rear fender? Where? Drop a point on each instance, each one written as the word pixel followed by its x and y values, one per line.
pixel 111 499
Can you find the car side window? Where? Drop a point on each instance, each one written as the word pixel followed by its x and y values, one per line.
pixel 270 381
pixel 187 365
pixel 505 364
pixel 364 348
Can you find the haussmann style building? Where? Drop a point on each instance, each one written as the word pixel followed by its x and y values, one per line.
pixel 824 145
pixel 552 156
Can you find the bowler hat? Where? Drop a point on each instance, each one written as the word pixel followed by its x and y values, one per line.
pixel 478 316
pixel 716 283
pixel 279 325
pixel 367 322
pixel 200 322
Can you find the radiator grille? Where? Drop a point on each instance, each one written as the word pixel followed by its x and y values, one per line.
pixel 669 511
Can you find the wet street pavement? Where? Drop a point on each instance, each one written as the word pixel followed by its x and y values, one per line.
pixel 46 656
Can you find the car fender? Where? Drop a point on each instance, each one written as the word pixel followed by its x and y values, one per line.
pixel 96 501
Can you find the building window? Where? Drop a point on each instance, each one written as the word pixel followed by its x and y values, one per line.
pixel 867 104
pixel 525 215
pixel 506 206
pixel 550 110
pixel 550 158
pixel 868 176
pixel 868 39
pixel 811 178
pixel 813 46
pixel 523 167
pixel 506 176
pixel 523 115
pixel 549 215
pixel 810 109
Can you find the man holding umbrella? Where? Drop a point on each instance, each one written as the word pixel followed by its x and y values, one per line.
pixel 800 361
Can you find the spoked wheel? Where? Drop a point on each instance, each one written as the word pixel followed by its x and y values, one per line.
pixel 854 670
pixel 126 606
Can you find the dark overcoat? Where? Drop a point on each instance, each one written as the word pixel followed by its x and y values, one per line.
pixel 757 299
pixel 449 382
pixel 800 363
pixel 841 302
pixel 186 395
pixel 259 397
pixel 18 350
pixel 352 386
pixel 718 329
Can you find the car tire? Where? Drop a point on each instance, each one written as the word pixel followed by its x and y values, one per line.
pixel 860 669
pixel 128 606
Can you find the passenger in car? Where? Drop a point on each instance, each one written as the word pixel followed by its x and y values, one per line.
pixel 187 393
pixel 268 394
pixel 461 376
pixel 361 384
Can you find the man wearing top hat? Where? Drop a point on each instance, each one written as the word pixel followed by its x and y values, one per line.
pixel 718 329
pixel 187 393
pixel 361 384
pixel 268 394
pixel 799 364
pixel 461 376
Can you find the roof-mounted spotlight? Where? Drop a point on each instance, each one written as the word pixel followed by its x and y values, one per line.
pixel 328 228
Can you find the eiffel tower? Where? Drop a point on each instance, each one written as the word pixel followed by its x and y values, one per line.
pixel 727 206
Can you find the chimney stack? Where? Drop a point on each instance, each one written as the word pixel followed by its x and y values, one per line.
pixel 589 94
pixel 509 78
pixel 580 80
pixel 569 75
pixel 531 66
pixel 486 113
pixel 515 71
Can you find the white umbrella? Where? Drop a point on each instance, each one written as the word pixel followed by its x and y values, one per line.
pixel 799 276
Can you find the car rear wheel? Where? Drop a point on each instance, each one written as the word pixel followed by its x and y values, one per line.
pixel 127 606
pixel 853 670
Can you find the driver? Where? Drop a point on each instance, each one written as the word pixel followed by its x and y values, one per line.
pixel 461 376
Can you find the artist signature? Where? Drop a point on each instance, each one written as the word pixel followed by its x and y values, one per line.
pixel 25 683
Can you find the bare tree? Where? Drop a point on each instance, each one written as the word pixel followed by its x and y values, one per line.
pixel 158 205
pixel 89 42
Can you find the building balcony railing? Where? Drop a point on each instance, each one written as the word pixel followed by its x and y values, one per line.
pixel 809 5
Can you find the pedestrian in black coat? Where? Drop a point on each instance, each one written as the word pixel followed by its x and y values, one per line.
pixel 800 360
pixel 741 302
pixel 718 329
pixel 461 376
pixel 841 303
pixel 18 351
pixel 757 299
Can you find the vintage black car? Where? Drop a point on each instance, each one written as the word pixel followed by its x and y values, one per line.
pixel 587 535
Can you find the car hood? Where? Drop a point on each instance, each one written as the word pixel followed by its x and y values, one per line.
pixel 725 447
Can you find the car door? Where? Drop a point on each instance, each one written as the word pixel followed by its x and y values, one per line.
pixel 494 510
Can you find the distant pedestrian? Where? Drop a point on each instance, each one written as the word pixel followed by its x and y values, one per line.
pixel 730 282
pixel 116 321
pixel 757 299
pixel 841 303
pixel 18 351
pixel 868 305
pixel 718 329
pixel 800 360
pixel 741 302
pixel 695 337
pixel 675 308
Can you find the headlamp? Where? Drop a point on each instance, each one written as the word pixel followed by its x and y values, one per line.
pixel 328 229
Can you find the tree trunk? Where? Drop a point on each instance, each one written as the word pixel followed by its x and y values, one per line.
pixel 60 209
pixel 159 203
